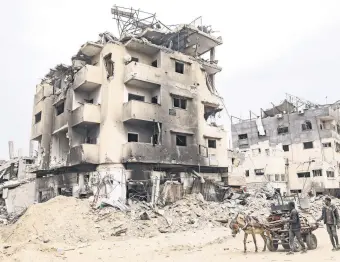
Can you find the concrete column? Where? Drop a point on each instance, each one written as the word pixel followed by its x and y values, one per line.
pixel 81 182
pixel 212 58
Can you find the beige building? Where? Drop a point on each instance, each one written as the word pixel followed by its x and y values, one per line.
pixel 131 106
pixel 296 143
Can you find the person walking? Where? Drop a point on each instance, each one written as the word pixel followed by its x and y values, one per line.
pixel 330 217
pixel 294 229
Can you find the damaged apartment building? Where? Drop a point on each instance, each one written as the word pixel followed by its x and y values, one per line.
pixel 295 146
pixel 130 108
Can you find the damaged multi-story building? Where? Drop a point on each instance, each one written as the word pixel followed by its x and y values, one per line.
pixel 131 107
pixel 294 145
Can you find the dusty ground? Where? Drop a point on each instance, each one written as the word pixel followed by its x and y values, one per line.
pixel 202 245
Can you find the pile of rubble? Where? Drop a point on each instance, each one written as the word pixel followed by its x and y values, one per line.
pixel 72 221
pixel 316 204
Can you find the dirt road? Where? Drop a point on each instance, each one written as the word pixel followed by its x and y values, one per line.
pixel 203 245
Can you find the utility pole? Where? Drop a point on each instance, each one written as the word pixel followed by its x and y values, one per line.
pixel 287 175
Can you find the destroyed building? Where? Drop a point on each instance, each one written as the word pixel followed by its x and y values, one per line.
pixel 295 146
pixel 131 107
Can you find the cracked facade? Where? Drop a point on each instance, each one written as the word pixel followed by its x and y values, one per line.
pixel 294 145
pixel 127 107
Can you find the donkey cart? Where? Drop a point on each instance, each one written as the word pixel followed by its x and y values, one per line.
pixel 280 235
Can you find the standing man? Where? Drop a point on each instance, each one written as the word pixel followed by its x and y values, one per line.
pixel 330 217
pixel 295 229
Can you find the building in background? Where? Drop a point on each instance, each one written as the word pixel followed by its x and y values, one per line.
pixel 296 143
pixel 129 106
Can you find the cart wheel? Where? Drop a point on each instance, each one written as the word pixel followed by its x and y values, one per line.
pixel 286 246
pixel 272 245
pixel 311 241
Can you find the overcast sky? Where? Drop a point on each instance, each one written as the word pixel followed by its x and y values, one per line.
pixel 270 48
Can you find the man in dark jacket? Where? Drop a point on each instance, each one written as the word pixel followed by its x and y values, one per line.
pixel 295 229
pixel 330 217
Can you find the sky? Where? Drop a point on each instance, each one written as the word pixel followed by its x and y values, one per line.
pixel 270 48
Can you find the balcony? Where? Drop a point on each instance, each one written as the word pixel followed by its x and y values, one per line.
pixel 142 75
pixel 148 153
pixel 87 114
pixel 84 154
pixel 36 130
pixel 138 110
pixel 216 132
pixel 88 78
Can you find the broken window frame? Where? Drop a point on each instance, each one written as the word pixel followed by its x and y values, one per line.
pixel 282 130
pixel 303 174
pixel 109 65
pixel 259 171
pixel 132 135
pixel 317 172
pixel 136 97
pixel 60 108
pixel 308 145
pixel 154 100
pixel 182 103
pixel 330 174
pixel 307 126
pixel 212 143
pixel 181 140
pixel 327 145
pixel 37 117
pixel 179 67
pixel 242 136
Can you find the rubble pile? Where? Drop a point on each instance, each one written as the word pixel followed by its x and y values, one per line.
pixel 316 204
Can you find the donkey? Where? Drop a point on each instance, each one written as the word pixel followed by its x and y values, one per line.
pixel 249 225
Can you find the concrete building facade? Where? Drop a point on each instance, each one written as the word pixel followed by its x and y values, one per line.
pixel 297 145
pixel 131 106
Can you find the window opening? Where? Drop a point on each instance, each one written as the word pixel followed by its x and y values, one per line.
pixel 132 137
pixel 154 63
pixel 109 65
pixel 303 174
pixel 134 59
pixel 259 172
pixel 60 108
pixel 179 67
pixel 285 148
pixel 181 140
pixel 307 125
pixel 180 103
pixel 211 143
pixel 136 97
pixel 247 173
pixel 89 101
pixel 37 117
pixel 243 136
pixel 307 145
pixel 327 144
pixel 317 172
pixel 154 100
pixel 282 130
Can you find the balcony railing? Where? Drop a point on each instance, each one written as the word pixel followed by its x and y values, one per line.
pixel 88 78
pixel 85 114
pixel 139 110
pixel 84 154
pixel 142 75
